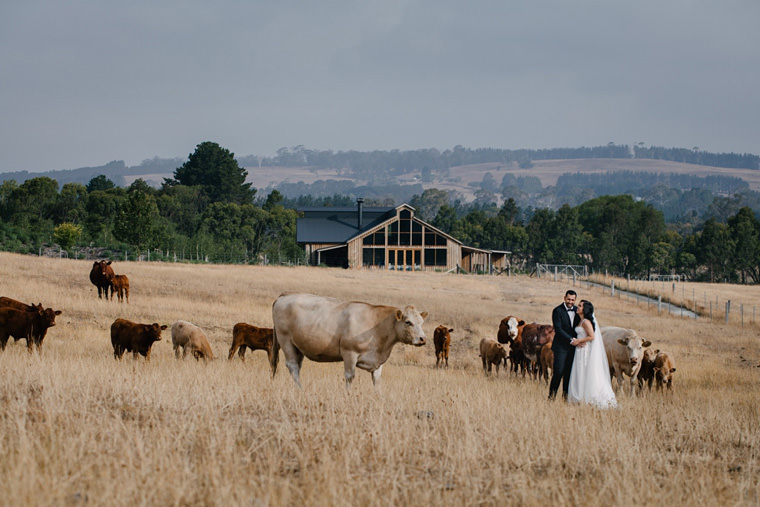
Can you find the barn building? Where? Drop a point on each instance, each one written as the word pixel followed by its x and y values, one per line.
pixel 386 238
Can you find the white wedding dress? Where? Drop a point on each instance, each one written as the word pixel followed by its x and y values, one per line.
pixel 590 376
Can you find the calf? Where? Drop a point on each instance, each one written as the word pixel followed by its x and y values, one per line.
pixel 190 338
pixel 442 341
pixel 546 361
pixel 255 338
pixel 128 336
pixel 534 338
pixel 491 352
pixel 664 368
pixel 31 325
pixel 625 349
pixel 121 287
pixel 646 372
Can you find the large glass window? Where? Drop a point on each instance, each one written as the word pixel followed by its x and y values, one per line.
pixel 373 257
pixel 435 257
pixel 416 234
pixel 393 233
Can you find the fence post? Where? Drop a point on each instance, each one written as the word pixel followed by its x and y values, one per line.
pixel 555 273
pixel 741 310
pixel 612 288
pixel 659 303
pixel 728 309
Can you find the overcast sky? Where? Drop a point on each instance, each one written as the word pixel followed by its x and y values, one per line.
pixel 84 82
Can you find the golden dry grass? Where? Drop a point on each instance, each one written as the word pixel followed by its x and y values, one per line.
pixel 79 428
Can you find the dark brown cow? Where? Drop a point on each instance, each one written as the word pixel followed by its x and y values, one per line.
pixel 252 337
pixel 120 287
pixel 491 353
pixel 510 332
pixel 442 342
pixel 646 373
pixel 6 302
pixel 30 325
pixel 101 276
pixel 534 337
pixel 128 336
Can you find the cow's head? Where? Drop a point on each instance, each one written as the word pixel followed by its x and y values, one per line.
pixel 154 331
pixel 103 268
pixel 648 356
pixel 409 326
pixel 501 351
pixel 512 324
pixel 664 375
pixel 443 333
pixel 545 334
pixel 634 345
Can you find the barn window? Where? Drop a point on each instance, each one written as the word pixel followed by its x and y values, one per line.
pixel 435 257
pixel 373 257
pixel 416 234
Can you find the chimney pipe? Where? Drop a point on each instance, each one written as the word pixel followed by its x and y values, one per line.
pixel 360 211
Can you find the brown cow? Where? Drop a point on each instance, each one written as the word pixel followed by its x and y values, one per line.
pixel 547 361
pixel 6 302
pixel 101 276
pixel 664 368
pixel 442 342
pixel 646 372
pixel 31 325
pixel 252 337
pixel 127 336
pixel 534 338
pixel 190 338
pixel 510 332
pixel 121 287
pixel 491 352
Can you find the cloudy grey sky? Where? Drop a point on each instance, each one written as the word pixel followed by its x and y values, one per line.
pixel 84 82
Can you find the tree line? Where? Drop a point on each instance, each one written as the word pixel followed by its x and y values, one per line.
pixel 207 212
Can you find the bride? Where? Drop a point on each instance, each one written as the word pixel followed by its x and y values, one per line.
pixel 590 376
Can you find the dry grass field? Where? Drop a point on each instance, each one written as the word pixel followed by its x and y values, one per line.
pixel 80 428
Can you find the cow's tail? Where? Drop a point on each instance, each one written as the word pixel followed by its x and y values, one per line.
pixel 275 357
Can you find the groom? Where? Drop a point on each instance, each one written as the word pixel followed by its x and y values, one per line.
pixel 564 320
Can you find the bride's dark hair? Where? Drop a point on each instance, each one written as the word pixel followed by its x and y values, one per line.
pixel 588 312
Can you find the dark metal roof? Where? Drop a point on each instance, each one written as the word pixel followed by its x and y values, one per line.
pixel 337 225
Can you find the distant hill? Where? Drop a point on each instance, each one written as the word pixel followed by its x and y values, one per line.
pixel 464 179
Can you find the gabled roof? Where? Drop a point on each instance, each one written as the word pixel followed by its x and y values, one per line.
pixel 339 224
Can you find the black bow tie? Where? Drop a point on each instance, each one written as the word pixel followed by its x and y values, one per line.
pixel 571 309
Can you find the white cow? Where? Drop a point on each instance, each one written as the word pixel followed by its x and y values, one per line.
pixel 328 330
pixel 191 339
pixel 625 349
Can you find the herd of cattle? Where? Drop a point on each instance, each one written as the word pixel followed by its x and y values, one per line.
pixel 361 335
pixel 530 351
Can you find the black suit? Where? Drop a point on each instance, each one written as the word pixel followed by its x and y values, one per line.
pixel 564 332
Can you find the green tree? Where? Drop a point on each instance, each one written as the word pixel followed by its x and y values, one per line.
pixel 67 234
pixel 137 222
pixel 744 228
pixel 714 247
pixel 70 206
pixel 218 174
pixel 100 182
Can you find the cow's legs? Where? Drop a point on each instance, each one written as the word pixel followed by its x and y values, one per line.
pixel 293 360
pixel 376 376
pixel 349 368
